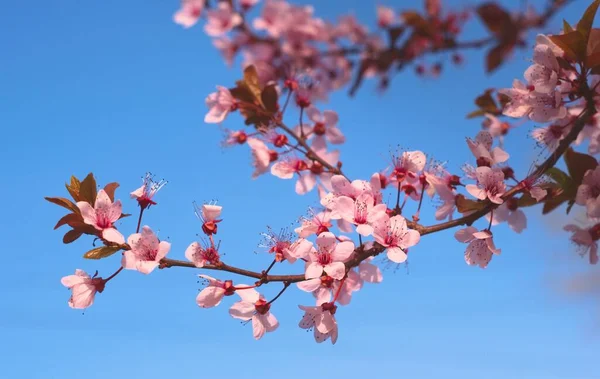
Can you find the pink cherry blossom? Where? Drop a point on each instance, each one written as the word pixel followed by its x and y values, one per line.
pixel 369 272
pixel 320 288
pixel 393 233
pixel 481 246
pixel 103 215
pixel 146 192
pixel 209 215
pixel 361 212
pixel 274 17
pixel 322 319
pixel 282 246
pixel 539 107
pixel 83 288
pixel 261 156
pixel 325 125
pixel 510 213
pixel 497 128
pixel 221 20
pixel 202 255
pixel 385 16
pixel 254 307
pixel 316 224
pixel 481 148
pixel 220 103
pixel 543 40
pixel 343 187
pixel 407 166
pixel 212 295
pixel 146 251
pixel 308 179
pixel 343 289
pixel 329 257
pixel 543 74
pixel 586 240
pixel 189 13
pixel 447 195
pixel 286 168
pixel 490 185
pixel 588 193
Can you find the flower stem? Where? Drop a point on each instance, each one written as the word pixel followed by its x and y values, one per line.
pixel 113 275
pixel 137 230
pixel 285 286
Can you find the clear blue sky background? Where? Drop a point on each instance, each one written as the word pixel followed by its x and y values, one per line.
pixel 116 88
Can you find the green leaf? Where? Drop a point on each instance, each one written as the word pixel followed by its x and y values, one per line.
pixel 101 252
pixel 88 189
pixel 71 236
pixel 566 27
pixel 110 190
pixel 572 43
pixel 585 24
pixel 71 218
pixel 578 164
pixel 65 203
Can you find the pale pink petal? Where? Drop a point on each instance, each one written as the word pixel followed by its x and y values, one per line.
pixel 72 280
pixel 211 212
pixel 343 251
pixel 466 234
pixel 305 183
pixel 146 267
pixel 270 322
pixel 364 230
pixel 242 310
pixel 88 213
pixel 258 328
pixel 396 254
pixel 336 270
pixel 129 260
pixel 163 249
pixel 475 191
pixel 309 285
pixel 249 295
pixel 313 270
pixel 517 221
pixel 113 235
pixel 210 297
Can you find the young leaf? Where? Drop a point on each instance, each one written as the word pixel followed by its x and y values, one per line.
pixel 70 218
pixel 269 98
pixel 73 188
pixel 578 164
pixel 101 252
pixel 65 203
pixel 465 205
pixel 110 190
pixel 559 176
pixel 71 236
pixel 496 19
pixel 572 44
pixel 566 27
pixel 88 190
pixel 554 201
pixel 585 24
pixel 496 56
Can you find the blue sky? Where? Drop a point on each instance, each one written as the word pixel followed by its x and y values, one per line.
pixel 116 88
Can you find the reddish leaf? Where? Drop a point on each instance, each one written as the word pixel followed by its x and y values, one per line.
pixel 110 190
pixel 496 56
pixel 572 43
pixel 566 27
pixel 70 218
pixel 593 60
pixel 465 205
pixel 578 164
pixel 65 203
pixel 584 26
pixel 269 98
pixel 496 19
pixel 71 236
pixel 555 201
pixel 419 24
pixel 73 188
pixel 88 189
pixel 101 252
pixel 395 33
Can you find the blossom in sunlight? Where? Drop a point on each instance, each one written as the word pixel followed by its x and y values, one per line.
pixel 212 295
pixel 220 103
pixel 189 12
pixel 481 148
pixel 481 246
pixel 83 288
pixel 254 307
pixel 329 257
pixel 393 233
pixel 322 320
pixel 146 192
pixel 209 215
pixel 103 215
pixel 221 19
pixel 202 255
pixel 586 240
pixel 146 251
pixel 490 185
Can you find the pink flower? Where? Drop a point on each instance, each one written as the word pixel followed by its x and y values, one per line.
pixel 490 185
pixel 543 74
pixel 481 246
pixel 247 4
pixel 540 107
pixel 385 16
pixel 103 215
pixel 308 179
pixel 220 103
pixel 83 288
pixel 209 215
pixel 407 166
pixel 254 307
pixel 588 193
pixel 361 212
pixel 274 18
pixel 393 233
pixel 329 257
pixel 146 251
pixel 261 156
pixel 202 255
pixel 446 194
pixel 551 135
pixel 369 272
pixel 285 169
pixel 282 246
pixel 146 192
pixel 212 295
pixel 320 288
pixel 585 240
pixel 343 187
pixel 324 125
pixel 221 20
pixel 317 224
pixel 510 213
pixel 189 13
pixel 481 148
pixel 496 127
pixel 320 318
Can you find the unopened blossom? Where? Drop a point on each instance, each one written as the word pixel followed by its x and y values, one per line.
pixel 325 126
pixel 83 288
pixel 189 12
pixel 482 149
pixel 283 248
pixel 543 74
pixel 481 246
pixel 322 319
pixel 146 251
pixel 221 20
pixel 220 103
pixel 103 215
pixel 212 295
pixel 329 257
pixel 588 193
pixel 586 240
pixel 510 213
pixel 316 224
pixel 394 235
pixel 202 255
pixel 361 212
pixel 209 215
pixel 146 192
pixel 254 307
pixel 408 165
pixel 490 185
pixel 261 156
pixel 385 16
